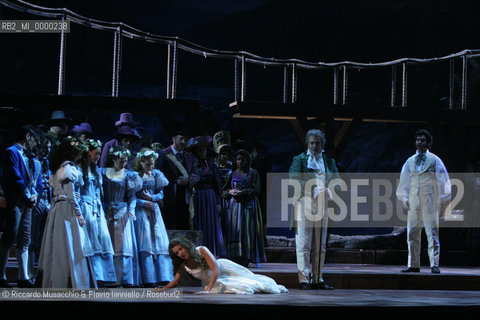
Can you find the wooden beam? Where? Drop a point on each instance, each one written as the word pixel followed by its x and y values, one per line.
pixel 410 114
pixel 341 133
pixel 298 125
pixel 345 136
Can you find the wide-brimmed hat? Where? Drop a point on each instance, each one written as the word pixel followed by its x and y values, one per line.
pixel 126 119
pixel 58 116
pixel 82 128
pixel 221 139
pixel 199 141
pixel 127 131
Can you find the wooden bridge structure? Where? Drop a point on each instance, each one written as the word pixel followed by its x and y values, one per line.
pixel 455 114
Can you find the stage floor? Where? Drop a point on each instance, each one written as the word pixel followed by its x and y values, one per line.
pixel 332 268
pixel 359 276
pixel 374 276
pixel 336 298
pixel 341 303
pixel 361 290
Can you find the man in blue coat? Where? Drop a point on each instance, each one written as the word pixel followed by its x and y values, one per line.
pixel 311 218
pixel 21 179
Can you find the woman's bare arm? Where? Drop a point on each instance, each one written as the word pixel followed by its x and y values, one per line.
pixel 175 281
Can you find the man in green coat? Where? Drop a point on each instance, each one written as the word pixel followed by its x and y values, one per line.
pixel 314 170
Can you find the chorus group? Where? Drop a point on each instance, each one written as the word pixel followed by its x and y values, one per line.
pixel 129 212
pixel 88 214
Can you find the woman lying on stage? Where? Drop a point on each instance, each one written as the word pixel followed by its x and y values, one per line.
pixel 217 276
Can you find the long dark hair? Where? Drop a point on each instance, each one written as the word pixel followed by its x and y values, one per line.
pixel 192 251
pixel 63 152
pixel 84 165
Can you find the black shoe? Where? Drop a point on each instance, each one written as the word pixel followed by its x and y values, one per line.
pixel 322 286
pixel 435 269
pixel 410 269
pixel 4 284
pixel 149 285
pixel 25 284
pixel 304 286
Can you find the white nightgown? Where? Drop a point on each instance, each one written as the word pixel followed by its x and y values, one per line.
pixel 234 278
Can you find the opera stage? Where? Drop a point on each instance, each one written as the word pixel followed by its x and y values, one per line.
pixel 361 290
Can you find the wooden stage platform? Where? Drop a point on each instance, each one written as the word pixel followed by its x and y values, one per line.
pixel 379 277
pixel 360 290
pixel 367 283
pixel 296 304
pixel 359 276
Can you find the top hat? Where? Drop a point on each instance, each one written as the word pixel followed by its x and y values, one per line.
pixel 127 131
pixel 125 119
pixel 221 139
pixel 198 141
pixel 58 116
pixel 82 128
pixel 178 132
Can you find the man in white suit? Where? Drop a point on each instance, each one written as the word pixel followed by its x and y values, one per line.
pixel 424 189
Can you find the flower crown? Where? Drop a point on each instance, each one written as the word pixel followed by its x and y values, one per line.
pixel 120 153
pixel 94 144
pixel 77 144
pixel 147 153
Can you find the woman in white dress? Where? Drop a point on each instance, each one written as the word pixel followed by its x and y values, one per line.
pixel 217 276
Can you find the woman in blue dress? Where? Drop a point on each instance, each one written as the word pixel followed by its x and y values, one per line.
pixel 207 199
pixel 224 162
pixel 95 221
pixel 152 238
pixel 119 187
pixel 63 261
pixel 243 226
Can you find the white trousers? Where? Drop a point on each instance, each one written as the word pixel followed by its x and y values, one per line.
pixel 422 213
pixel 310 240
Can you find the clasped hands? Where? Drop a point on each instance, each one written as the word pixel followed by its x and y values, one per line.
pixel 235 192
pixel 32 201
pixel 149 204
pixel 183 181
